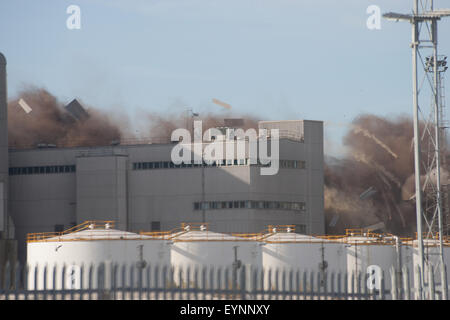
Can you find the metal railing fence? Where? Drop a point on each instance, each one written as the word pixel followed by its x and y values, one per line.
pixel 111 281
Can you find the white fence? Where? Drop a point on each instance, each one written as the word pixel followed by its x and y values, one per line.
pixel 146 282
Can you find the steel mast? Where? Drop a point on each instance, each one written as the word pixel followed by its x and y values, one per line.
pixel 424 19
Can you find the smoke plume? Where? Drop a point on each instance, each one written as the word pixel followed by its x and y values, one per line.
pixel 374 183
pixel 50 123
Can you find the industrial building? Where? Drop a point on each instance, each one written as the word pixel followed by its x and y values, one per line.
pixel 47 188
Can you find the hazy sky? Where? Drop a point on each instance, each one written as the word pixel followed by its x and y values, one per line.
pixel 277 59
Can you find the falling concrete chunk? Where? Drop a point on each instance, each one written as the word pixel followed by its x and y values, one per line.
pixel 77 110
pixel 221 103
pixel 25 106
pixel 368 193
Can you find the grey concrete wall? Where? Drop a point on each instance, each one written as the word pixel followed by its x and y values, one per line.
pixel 101 189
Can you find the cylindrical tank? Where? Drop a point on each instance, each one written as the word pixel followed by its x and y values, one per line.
pixel 199 249
pixel 92 247
pixel 289 253
pixel 364 253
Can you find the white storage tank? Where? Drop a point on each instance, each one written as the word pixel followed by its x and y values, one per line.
pixel 366 251
pixel 90 243
pixel 195 247
pixel 286 251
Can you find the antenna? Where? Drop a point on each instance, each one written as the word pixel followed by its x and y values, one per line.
pixel 424 21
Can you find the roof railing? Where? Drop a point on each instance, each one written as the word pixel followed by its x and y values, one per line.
pixel 91 224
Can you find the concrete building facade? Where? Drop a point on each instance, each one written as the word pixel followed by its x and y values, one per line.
pixel 138 186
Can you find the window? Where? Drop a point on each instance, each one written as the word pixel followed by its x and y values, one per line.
pixel 41 170
pixel 156 226
pixel 205 205
pixel 249 204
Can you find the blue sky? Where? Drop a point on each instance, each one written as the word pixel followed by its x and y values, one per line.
pixel 277 59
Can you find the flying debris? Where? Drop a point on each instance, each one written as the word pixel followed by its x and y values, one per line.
pixel 24 106
pixel 76 110
pixel 368 193
pixel 334 220
pixel 222 104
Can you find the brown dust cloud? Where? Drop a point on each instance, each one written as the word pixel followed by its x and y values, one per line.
pixel 372 184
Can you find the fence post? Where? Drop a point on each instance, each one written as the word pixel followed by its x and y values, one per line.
pixel 45 281
pixel 339 288
pixel 114 267
pixel 156 281
pixel 364 289
pixel 262 283
pixel 418 283
pixel 242 281
pixel 212 284
pixel 7 280
pixel 35 280
pixel 382 285
pixel 164 281
pixel 254 282
pixel 219 281
pixel 431 282
pixel 406 285
pixel 82 281
pixel 358 285
pixel 149 281
pixel 188 282
pixel 444 283
pixel 53 287
pixel 277 283
pixel 25 271
pixel 291 284
pixel 353 284
pixel 180 281
pixel 319 284
pixel 393 283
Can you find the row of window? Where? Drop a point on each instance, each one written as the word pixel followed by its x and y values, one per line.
pixel 290 164
pixel 250 204
pixel 41 170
